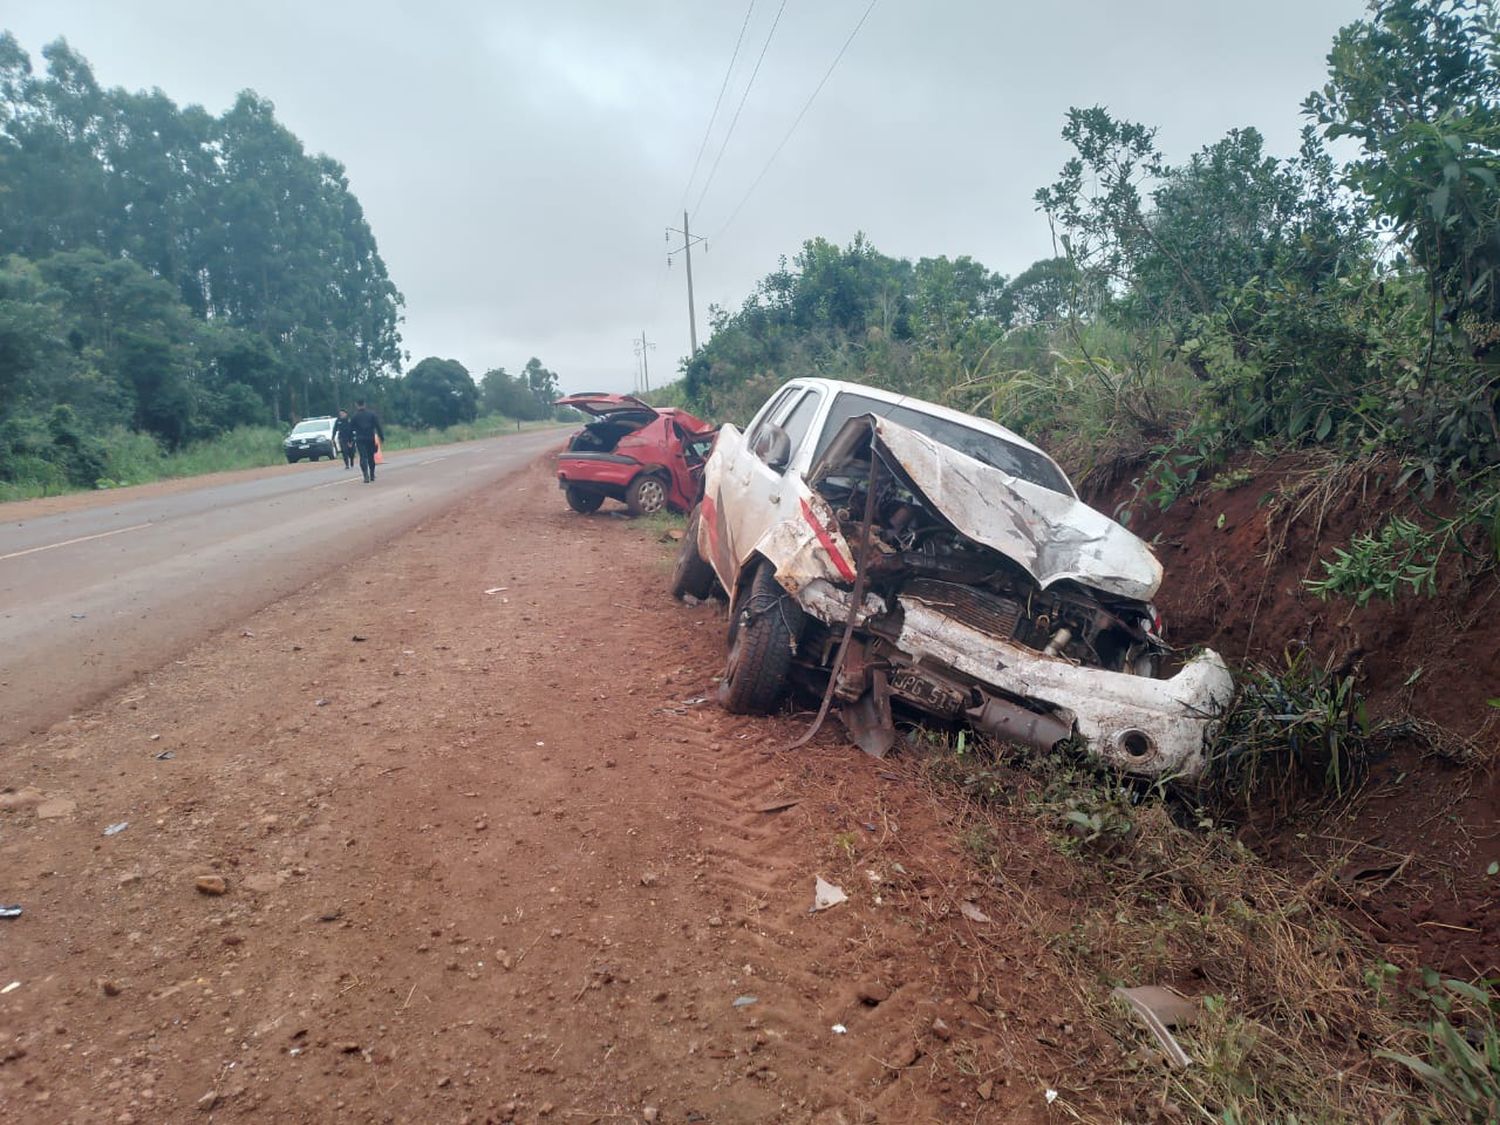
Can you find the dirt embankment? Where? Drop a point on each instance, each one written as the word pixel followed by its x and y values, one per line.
pixel 488 854
pixel 1412 848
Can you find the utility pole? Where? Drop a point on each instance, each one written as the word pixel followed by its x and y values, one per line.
pixel 686 250
pixel 642 346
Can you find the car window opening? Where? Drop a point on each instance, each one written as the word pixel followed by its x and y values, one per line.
pixel 602 436
pixel 1010 458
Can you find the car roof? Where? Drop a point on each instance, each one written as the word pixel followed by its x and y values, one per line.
pixel 922 404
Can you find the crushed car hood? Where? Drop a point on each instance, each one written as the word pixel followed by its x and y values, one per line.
pixel 1052 536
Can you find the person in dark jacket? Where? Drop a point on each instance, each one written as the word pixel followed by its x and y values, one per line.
pixel 343 438
pixel 367 437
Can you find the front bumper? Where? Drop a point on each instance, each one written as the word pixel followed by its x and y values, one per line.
pixel 1140 725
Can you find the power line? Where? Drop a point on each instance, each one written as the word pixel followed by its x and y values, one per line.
pixel 735 120
pixel 714 116
pixel 803 113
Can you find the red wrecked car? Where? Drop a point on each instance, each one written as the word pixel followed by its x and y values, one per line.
pixel 648 457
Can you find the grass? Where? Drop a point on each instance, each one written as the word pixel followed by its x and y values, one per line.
pixel 1291 1027
pixel 136 458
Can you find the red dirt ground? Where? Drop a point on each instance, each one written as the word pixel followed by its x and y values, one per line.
pixel 490 856
pixel 1437 822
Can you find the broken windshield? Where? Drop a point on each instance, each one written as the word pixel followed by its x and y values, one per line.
pixel 992 450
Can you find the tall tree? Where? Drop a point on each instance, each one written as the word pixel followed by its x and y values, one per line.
pixel 439 392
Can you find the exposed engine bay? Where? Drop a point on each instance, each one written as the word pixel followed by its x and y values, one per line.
pixel 917 554
pixel 953 626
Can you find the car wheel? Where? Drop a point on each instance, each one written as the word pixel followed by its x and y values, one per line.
pixel 760 647
pixel 646 495
pixel 691 574
pixel 292 460
pixel 581 501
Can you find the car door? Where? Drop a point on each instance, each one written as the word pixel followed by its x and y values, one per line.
pixel 763 494
pixel 726 477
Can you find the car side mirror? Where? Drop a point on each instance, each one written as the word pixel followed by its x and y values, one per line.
pixel 773 447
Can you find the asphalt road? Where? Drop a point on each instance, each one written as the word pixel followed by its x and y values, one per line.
pixel 92 598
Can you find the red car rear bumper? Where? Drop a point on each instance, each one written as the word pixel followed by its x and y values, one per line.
pixel 608 472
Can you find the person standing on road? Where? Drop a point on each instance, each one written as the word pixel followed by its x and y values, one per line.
pixel 367 437
pixel 343 438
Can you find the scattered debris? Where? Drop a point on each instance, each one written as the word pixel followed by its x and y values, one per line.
pixel 839 1029
pixel 942 1030
pixel 1159 1008
pixel 972 912
pixel 826 895
pixel 211 884
pixel 116 829
pixel 695 701
pixel 165 756
pixel 986 1089
pixel 320 703
pixel 77 616
pixel 743 1001
pixel 496 589
pixel 247 633
pixel 154 738
pixel 10 911
pixel 1051 1096
pixel 359 637
pixel 109 988
pixel 11 987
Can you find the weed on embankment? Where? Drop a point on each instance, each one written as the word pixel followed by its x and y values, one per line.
pixel 1300 1017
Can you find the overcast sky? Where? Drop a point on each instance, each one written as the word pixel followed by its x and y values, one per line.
pixel 520 161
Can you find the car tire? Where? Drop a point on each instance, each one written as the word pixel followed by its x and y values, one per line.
pixel 646 495
pixel 760 648
pixel 581 501
pixel 691 574
pixel 292 460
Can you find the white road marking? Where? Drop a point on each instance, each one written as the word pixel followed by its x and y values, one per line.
pixel 435 460
pixel 332 484
pixel 70 542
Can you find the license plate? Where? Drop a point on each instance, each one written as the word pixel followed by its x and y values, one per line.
pixel 919 689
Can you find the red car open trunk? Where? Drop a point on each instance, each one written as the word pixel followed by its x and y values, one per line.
pixel 647 457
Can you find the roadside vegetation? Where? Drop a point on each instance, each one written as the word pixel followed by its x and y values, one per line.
pixel 1299 1016
pixel 178 288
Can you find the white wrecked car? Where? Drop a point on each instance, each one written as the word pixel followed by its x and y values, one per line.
pixel 987 591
